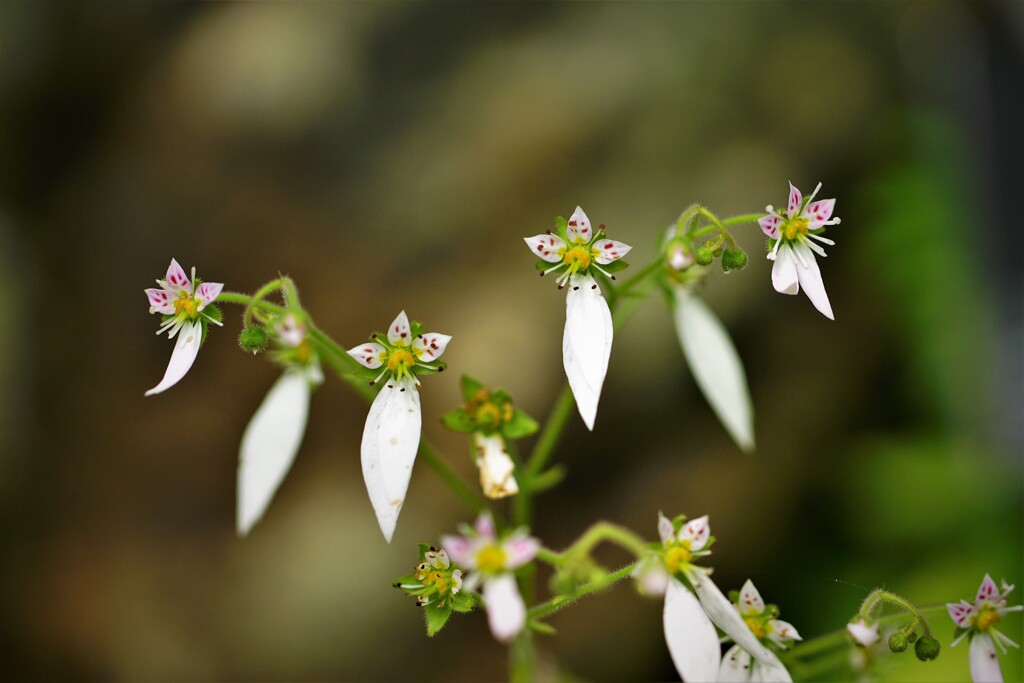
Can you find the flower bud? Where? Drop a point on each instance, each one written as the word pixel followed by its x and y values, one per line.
pixel 253 339
pixel 926 648
pixel 704 256
pixel 733 259
pixel 898 642
pixel 679 254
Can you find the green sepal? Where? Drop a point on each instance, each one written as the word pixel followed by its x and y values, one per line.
pixel 734 597
pixel 562 227
pixel 436 617
pixel 464 602
pixel 459 421
pixel 407 580
pixel 541 266
pixel 415 330
pixel 469 387
pixel 541 627
pixel 521 425
pixel 214 313
pixel 615 266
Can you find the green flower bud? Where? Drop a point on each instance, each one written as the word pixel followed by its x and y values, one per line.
pixel 733 259
pixel 253 339
pixel 898 642
pixel 926 648
pixel 563 583
pixel 704 256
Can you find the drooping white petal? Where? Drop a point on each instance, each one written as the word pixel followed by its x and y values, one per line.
pixel 431 345
pixel 863 633
pixel 208 292
pixel 579 229
pixel 784 275
pixel 370 355
pixel 735 666
pixel 497 478
pixel 810 279
pixel 190 336
pixel 506 613
pixel 176 278
pixel 697 532
pixel 727 618
pixel 716 366
pixel 269 445
pixel 750 599
pixel 818 212
pixel 987 591
pixel 795 199
pixel 610 250
pixel 398 333
pixel 391 438
pixel 770 226
pixel 586 344
pixel 772 671
pixel 690 635
pixel 548 247
pixel 984 663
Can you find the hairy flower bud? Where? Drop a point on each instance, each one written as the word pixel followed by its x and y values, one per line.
pixel 898 642
pixel 704 256
pixel 733 259
pixel 253 339
pixel 926 648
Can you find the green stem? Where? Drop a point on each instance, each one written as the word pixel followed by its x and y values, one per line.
pixel 560 602
pixel 606 531
pixel 522 658
pixel 878 597
pixel 745 218
pixel 624 289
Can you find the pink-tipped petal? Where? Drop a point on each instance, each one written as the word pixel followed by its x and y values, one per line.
pixel 185 349
pixel 370 355
pixel 818 212
pixel 519 550
pixel 610 250
pixel 208 293
pixel 795 199
pixel 690 635
pixel 697 532
pixel 666 531
pixel 984 663
pixel 548 247
pixel 987 591
pixel 398 333
pixel 460 550
pixel 770 226
pixel 750 599
pixel 784 276
pixel 810 279
pixel 160 301
pixel 961 613
pixel 431 345
pixel 579 227
pixel 176 278
pixel 485 526
pixel 506 613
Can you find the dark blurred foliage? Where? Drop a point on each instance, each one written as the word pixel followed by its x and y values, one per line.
pixel 392 155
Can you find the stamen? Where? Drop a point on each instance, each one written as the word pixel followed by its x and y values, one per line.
pixel 800 258
pixel 813 194
pixel 775 249
pixel 215 322
pixel 823 240
pixel 816 249
pixel 962 636
pixel 602 270
pixel 554 267
pixel 383 372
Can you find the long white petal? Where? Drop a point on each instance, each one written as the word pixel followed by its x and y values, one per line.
pixel 716 366
pixel 784 275
pixel 735 666
pixel 690 635
pixel 269 445
pixel 984 664
pixel 185 349
pixel 391 438
pixel 586 343
pixel 725 616
pixel 506 613
pixel 772 671
pixel 810 280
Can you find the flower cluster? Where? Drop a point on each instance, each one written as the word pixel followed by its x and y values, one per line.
pixel 437 586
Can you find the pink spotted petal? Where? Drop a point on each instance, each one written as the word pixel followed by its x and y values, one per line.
pixel 160 301
pixel 666 531
pixel 961 613
pixel 176 278
pixel 610 250
pixel 795 199
pixel 520 549
pixel 750 599
pixel 208 292
pixel 370 355
pixel 548 247
pixel 697 532
pixel 460 550
pixel 431 345
pixel 398 333
pixel 987 591
pixel 485 526
pixel 579 227
pixel 770 226
pixel 818 212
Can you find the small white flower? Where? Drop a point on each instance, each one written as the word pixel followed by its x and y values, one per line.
pixel 978 621
pixel 587 339
pixel 796 232
pixel 863 633
pixel 182 303
pixel 497 478
pixel 391 436
pixel 491 561
pixel 737 665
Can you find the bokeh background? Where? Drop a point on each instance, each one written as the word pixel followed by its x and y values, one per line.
pixel 392 155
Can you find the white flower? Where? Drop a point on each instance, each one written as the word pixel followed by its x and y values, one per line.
pixel 391 436
pixel 863 633
pixel 716 366
pixel 182 303
pixel 497 478
pixel 491 561
pixel 795 232
pixel 694 608
pixel 978 621
pixel 587 339
pixel 737 665
pixel 275 431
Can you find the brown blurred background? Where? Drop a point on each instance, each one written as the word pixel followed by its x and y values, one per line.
pixel 393 155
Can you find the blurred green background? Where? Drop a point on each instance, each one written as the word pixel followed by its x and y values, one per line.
pixel 393 155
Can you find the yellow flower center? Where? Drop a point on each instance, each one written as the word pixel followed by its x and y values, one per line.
pixel 490 559
pixel 797 226
pixel 488 415
pixel 186 305
pixel 756 628
pixel 677 556
pixel 400 361
pixel 578 257
pixel 986 618
pixel 438 579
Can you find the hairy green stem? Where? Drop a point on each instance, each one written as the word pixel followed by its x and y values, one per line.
pixel 560 602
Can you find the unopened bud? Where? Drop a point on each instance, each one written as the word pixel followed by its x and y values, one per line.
pixel 253 339
pixel 898 642
pixel 733 259
pixel 704 256
pixel 926 648
pixel 679 254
